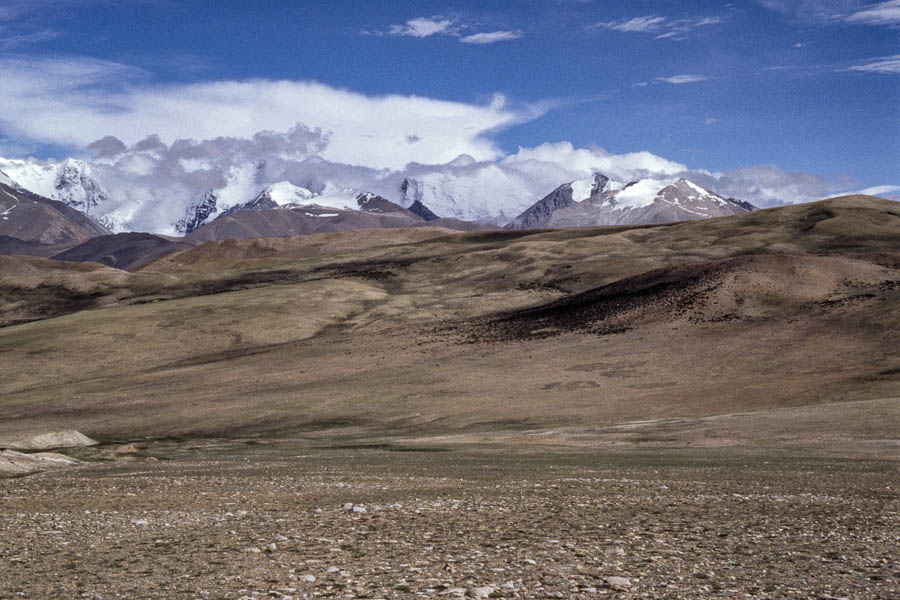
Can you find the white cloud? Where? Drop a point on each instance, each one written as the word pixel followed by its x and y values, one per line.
pixel 666 28
pixel 882 13
pixel 76 101
pixel 887 64
pixel 887 191
pixel 637 24
pixel 679 79
pixel 767 185
pixel 861 12
pixel 421 27
pixel 491 37
pixel 584 161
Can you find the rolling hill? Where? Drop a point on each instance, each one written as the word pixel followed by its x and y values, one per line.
pixel 487 333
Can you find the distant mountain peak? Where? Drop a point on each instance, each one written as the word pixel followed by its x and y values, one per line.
pixel 202 206
pixel 373 203
pixel 600 201
pixel 7 180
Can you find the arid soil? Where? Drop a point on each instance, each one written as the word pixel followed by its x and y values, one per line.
pixel 292 520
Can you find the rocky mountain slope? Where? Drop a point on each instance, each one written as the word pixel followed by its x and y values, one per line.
pixel 601 201
pixel 287 212
pixel 33 218
pixel 71 182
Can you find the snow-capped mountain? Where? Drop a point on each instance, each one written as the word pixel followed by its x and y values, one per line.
pixel 70 181
pixel 472 193
pixel 33 218
pixel 201 208
pixel 7 180
pixel 601 201
pixel 287 195
pixel 141 192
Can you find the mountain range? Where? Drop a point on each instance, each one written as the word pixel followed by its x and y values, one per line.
pixel 463 190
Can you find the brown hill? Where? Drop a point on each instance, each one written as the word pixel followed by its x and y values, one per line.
pixel 244 252
pixel 13 245
pixel 123 250
pixel 33 218
pixel 536 332
pixel 284 221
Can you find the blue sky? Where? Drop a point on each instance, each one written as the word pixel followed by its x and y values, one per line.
pixel 809 86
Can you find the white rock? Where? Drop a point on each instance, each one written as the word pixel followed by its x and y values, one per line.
pixel 308 578
pixel 618 582
pixel 480 592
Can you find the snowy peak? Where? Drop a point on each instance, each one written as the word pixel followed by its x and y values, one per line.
pixel 689 196
pixel 596 184
pixel 601 201
pixel 373 203
pixel 75 186
pixel 70 182
pixel 201 208
pixel 284 193
pixel 7 180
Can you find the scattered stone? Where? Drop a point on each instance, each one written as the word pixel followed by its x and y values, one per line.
pixel 479 592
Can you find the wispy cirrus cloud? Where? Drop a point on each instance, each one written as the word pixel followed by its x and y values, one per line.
pixel 680 79
pixel 886 64
pixel 491 37
pixel 882 13
pixel 664 27
pixel 860 12
pixel 637 24
pixel 11 40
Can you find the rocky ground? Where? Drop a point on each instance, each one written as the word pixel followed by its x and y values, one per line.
pixel 290 520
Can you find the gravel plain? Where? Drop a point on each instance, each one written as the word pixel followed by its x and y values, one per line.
pixel 291 520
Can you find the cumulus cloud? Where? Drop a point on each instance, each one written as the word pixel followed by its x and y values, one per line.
pixel 421 27
pixel 767 185
pixel 490 37
pixel 762 185
pixel 76 101
pixel 584 161
pixel 887 64
pixel 153 182
pixel 679 79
